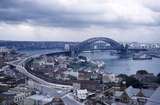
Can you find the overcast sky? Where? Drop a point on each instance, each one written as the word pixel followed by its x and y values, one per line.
pixel 77 20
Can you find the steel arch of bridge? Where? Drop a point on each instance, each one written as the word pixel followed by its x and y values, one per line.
pixel 114 44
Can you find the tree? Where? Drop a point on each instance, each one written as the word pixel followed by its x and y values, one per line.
pixel 3 89
pixel 130 81
pixel 1 99
pixel 158 78
pixel 142 72
pixel 134 82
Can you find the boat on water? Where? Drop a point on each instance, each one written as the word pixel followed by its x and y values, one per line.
pixel 142 57
pixel 155 56
pixel 87 51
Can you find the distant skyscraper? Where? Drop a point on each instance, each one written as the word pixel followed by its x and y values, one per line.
pixel 66 47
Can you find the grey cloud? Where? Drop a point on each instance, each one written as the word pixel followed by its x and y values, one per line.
pixel 17 11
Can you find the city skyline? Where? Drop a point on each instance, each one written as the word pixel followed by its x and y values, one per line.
pixel 78 20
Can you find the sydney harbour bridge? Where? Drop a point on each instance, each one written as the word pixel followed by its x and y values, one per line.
pixel 101 43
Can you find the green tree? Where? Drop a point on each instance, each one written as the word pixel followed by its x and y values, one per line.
pixel 130 81
pixel 142 72
pixel 158 79
pixel 1 100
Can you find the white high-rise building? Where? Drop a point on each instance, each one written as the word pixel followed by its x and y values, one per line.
pixel 66 47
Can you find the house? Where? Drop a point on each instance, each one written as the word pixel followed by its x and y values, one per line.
pixel 117 95
pixel 76 86
pixel 89 85
pixel 8 98
pixel 43 100
pixel 125 98
pixel 109 77
pixel 17 95
pixel 121 96
pixel 37 100
pixel 83 75
pixel 40 99
pixel 72 73
pixel 96 76
pixel 56 101
pixel 81 94
pixel 21 93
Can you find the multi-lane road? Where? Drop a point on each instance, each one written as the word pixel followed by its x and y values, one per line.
pixel 19 67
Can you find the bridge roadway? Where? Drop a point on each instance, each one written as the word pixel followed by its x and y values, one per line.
pixel 18 64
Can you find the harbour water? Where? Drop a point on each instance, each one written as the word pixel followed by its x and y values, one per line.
pixel 115 64
pixel 118 65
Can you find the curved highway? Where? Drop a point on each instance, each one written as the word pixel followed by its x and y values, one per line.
pixel 18 64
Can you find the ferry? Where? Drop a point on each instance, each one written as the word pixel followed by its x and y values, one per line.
pixel 142 57
pixel 87 51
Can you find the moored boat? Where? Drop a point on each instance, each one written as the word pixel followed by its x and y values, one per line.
pixel 142 57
